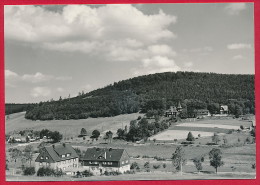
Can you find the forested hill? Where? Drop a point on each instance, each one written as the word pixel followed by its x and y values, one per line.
pixel 155 92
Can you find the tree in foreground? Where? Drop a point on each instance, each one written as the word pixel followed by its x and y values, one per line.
pixel 215 157
pixel 147 166
pixel 28 153
pixel 178 158
pixel 190 137
pixel 15 155
pixel 198 163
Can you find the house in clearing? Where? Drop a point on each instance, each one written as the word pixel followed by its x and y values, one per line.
pixel 201 113
pixel 223 109
pixel 172 112
pixel 59 157
pixel 99 160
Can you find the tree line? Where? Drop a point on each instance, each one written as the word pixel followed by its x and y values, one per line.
pixel 155 92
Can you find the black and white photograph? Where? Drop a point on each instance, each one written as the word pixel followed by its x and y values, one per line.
pixel 118 92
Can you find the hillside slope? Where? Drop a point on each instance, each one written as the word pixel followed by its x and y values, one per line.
pixel 69 128
pixel 155 92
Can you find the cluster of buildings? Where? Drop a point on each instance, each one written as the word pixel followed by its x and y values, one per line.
pixel 198 113
pixel 96 160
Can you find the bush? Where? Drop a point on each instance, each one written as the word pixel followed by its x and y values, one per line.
pixel 187 142
pixel 134 165
pixel 129 172
pixel 112 173
pixel 241 127
pixel 29 171
pixel 159 158
pixel 231 131
pixel 45 172
pixel 87 173
pixel 190 137
pixel 211 144
pixel 156 166
pixel 164 165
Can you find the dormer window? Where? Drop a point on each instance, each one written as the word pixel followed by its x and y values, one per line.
pixel 41 157
pixel 68 155
pixel 46 157
pixel 63 155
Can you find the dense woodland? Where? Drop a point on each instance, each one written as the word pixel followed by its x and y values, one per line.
pixel 153 94
pixel 11 108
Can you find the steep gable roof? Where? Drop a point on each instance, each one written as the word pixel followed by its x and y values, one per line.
pixel 224 107
pixel 103 154
pixel 56 152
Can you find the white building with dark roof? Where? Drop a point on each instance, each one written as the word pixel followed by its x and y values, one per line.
pixel 99 160
pixel 58 157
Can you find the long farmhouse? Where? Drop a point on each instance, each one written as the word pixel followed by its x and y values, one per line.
pixel 99 160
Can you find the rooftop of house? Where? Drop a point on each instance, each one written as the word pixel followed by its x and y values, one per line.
pixel 179 106
pixel 103 154
pixel 172 109
pixel 57 152
pixel 224 107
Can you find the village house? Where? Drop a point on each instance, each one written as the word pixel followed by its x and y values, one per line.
pixel 59 157
pixel 16 138
pixel 173 111
pixel 223 109
pixel 201 113
pixel 99 160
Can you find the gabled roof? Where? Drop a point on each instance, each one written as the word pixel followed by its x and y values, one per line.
pixel 172 109
pixel 224 107
pixel 179 105
pixel 56 151
pixel 103 154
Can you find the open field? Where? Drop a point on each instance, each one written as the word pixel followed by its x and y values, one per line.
pixel 69 128
pixel 140 176
pixel 209 125
pixel 178 134
pixel 205 128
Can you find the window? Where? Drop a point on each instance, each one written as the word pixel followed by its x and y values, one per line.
pixel 90 162
pixel 41 157
pixel 123 162
pixel 104 162
pixel 62 155
pixel 95 162
pixel 126 161
pixel 40 164
pixel 46 157
pixel 48 164
pixel 109 163
pixel 68 155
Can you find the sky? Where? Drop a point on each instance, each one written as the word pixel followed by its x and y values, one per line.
pixel 60 50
